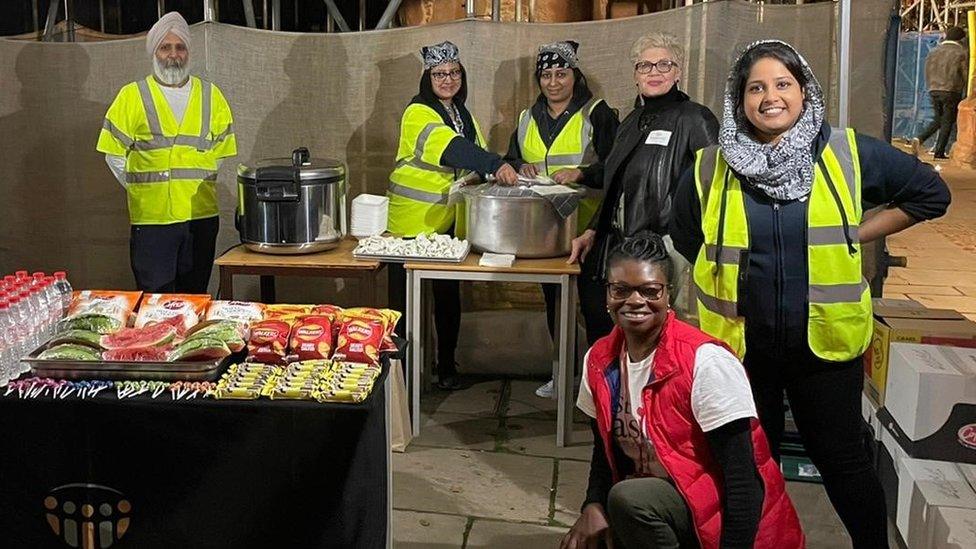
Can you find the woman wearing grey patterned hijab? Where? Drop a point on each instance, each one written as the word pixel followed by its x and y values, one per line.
pixel 772 218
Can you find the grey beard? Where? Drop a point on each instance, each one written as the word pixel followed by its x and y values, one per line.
pixel 171 76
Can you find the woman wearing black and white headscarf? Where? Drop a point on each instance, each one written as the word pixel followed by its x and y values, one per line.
pixel 772 219
pixel 440 142
pixel 566 134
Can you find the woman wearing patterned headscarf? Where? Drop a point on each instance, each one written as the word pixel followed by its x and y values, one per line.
pixel 771 218
pixel 440 142
pixel 566 134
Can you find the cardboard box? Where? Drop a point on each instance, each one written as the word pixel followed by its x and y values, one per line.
pixel 923 486
pixel 969 473
pixel 869 411
pixel 889 458
pixel 954 528
pixel 905 321
pixel 931 398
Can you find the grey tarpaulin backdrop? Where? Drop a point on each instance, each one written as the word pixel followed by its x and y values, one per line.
pixel 341 95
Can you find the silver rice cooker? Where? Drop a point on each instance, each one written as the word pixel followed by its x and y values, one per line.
pixel 291 205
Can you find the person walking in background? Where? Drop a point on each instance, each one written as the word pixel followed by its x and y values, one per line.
pixel 946 74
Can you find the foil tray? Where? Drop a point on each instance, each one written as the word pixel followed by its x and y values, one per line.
pixel 119 370
pixel 414 258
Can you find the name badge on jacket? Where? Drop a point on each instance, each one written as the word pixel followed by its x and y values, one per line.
pixel 658 137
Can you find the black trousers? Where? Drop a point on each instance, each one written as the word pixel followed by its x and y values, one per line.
pixel 447 313
pixel 174 258
pixel 946 107
pixel 825 399
pixel 593 299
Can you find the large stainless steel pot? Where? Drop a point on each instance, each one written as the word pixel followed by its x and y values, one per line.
pixel 292 205
pixel 516 221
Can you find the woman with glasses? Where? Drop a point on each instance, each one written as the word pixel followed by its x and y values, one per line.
pixel 440 142
pixel 679 458
pixel 566 135
pixel 772 218
pixel 655 143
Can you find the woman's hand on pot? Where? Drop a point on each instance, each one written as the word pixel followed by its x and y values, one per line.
pixel 529 170
pixel 506 175
pixel 568 175
pixel 590 530
pixel 581 246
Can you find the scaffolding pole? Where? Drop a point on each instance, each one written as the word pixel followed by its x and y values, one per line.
pixel 844 85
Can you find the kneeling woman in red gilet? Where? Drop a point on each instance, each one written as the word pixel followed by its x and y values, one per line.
pixel 679 458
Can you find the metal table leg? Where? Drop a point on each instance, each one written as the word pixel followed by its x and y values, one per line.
pixel 415 331
pixel 567 361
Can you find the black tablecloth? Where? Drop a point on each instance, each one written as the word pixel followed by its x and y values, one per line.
pixel 196 474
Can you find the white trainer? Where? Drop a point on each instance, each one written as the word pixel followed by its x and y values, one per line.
pixel 545 391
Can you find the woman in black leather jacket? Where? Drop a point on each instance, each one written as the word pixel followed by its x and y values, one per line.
pixel 653 147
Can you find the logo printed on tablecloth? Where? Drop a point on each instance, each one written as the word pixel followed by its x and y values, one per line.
pixel 87 516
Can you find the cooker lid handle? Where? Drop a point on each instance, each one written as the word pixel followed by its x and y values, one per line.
pixel 299 156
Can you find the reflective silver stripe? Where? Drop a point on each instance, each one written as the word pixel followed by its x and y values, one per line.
pixel 420 196
pixel 226 133
pixel 825 236
pixel 152 116
pixel 162 177
pixel 420 164
pixel 565 159
pixel 523 127
pixel 841 147
pixel 837 293
pixel 586 137
pixel 709 158
pixel 718 306
pixel 193 173
pixel 205 117
pixel 111 128
pixel 153 144
pixel 418 150
pixel 198 143
pixel 730 254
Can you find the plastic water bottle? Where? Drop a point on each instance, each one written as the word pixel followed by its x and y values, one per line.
pixel 53 303
pixel 18 330
pixel 28 312
pixel 39 295
pixel 63 288
pixel 7 342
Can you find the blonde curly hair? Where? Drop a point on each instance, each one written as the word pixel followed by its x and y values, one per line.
pixel 658 40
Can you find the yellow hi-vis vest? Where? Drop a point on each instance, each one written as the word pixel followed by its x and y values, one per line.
pixel 170 166
pixel 572 148
pixel 419 185
pixel 839 326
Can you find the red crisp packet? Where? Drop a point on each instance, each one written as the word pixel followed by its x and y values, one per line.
pixel 359 341
pixel 269 341
pixel 311 338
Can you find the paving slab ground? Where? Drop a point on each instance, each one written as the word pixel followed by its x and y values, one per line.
pixel 485 472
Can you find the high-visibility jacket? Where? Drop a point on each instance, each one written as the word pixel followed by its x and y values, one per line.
pixel 572 148
pixel 839 325
pixel 170 166
pixel 420 185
